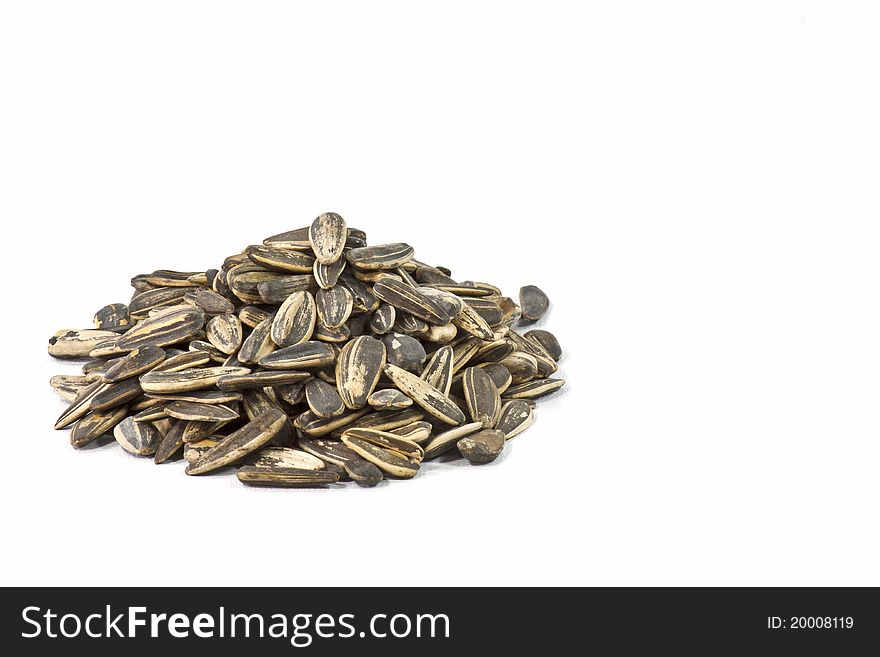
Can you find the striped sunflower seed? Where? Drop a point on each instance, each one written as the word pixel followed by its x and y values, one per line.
pixel 135 363
pixel 312 425
pixel 284 457
pixel 323 400
pixel 138 438
pixel 425 395
pixel 209 301
pixel 185 410
pixel 225 333
pixel 327 236
pixel 183 361
pixel 384 421
pixel 250 316
pixel 363 472
pixel 186 380
pixel 165 329
pixel 358 369
pixel 411 300
pixel 438 371
pixel 77 344
pixel 389 400
pixel 250 437
pixel 481 447
pixel 96 424
pixel 260 379
pixel 68 386
pixel 283 260
pixel 383 318
pixel 516 417
pixel 295 320
pixel 481 396
pixel 533 389
pixel 299 356
pixel 446 440
pixel 405 352
pixel 259 343
pixel 115 394
pixel 328 450
pixel 383 256
pixel 547 341
pixel 113 317
pixel 389 461
pixel 200 397
pixel 172 442
pixel 386 440
pixel 334 306
pixel 326 276
pixel 285 477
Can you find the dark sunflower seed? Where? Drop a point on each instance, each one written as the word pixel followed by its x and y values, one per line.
pixel 533 389
pixel 364 472
pixel 185 410
pixel 143 302
pixel 534 302
pixel 482 447
pixel 299 356
pixel 389 400
pixel 522 366
pixel 177 325
pixel 411 300
pixel 383 421
pixel 113 317
pixel 386 440
pixel 383 318
pixel 469 320
pixel 438 371
pixel 225 333
pixel 323 400
pixel 260 379
pixel 292 239
pixel 499 374
pixel 259 343
pixel 209 301
pixel 251 316
pixel 389 461
pixel 443 442
pixel 362 295
pixel 312 425
pixel 96 424
pixel 170 277
pixel 201 397
pixel 184 361
pixel 328 450
pixel 115 394
pixel 417 432
pixel 283 260
pixel 547 341
pixel 171 442
pixel 325 334
pixel 405 352
pixel 326 276
pixel 516 417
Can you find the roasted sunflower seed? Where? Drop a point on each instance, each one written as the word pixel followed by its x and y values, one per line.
pixel 327 236
pixel 482 447
pixel 481 396
pixel 425 395
pixel 334 306
pixel 284 477
pixel 299 356
pixel 358 369
pixel 77 344
pixel 295 320
pixel 534 302
pixel 251 436
pixel 139 438
pixel 389 400
pixel 364 472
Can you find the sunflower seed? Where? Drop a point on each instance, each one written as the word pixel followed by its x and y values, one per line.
pixel 113 317
pixel 299 356
pixel 383 256
pixel 409 325
pixel 285 477
pixel 292 393
pixel 516 417
pixel 383 318
pixel 209 301
pixel 443 442
pixel 312 425
pixel 171 442
pixel 438 371
pixel 463 352
pixel 386 440
pixel 96 424
pixel 143 302
pixel 292 239
pixel 389 461
pixel 225 333
pixel 135 363
pixel 364 472
pixel 284 457
pixel 184 410
pixel 328 450
pixel 251 436
pixel 494 351
pixel 258 344
pixel 251 316
pixel 194 450
pixel 326 276
pixel 469 320
pixel 533 389
pixel 77 344
pixel 326 334
pixel 534 302
pixel 115 394
pixel 186 380
pixel 295 320
pixel 417 432
pixel 68 386
pixel 152 413
pixel 405 352
pixel 196 430
pixel 499 374
pixel 425 395
pixel 327 236
pixel 323 400
pixel 334 306
pixel 165 329
pixel 482 447
pixel 139 438
pixel 170 277
pixel 481 396
pixel 277 289
pixel 283 260
pixel 547 341
pixel 388 400
pixel 260 379
pixel 200 397
pixel 358 369
pixel 362 295
pixel 521 365
pixel 411 300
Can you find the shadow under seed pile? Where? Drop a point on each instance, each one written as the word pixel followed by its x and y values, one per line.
pixel 307 360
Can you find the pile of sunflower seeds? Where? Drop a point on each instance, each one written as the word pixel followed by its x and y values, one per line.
pixel 309 359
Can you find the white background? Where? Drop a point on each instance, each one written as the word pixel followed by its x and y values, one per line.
pixel 694 184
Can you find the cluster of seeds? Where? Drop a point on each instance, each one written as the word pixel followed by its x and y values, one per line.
pixel 309 359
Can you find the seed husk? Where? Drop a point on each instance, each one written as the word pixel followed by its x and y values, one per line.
pixel 285 477
pixel 547 341
pixel 389 461
pixel 499 374
pixel 186 410
pixel 135 363
pixel 200 396
pixel 469 320
pixel 225 333
pixel 405 352
pixel 299 356
pixel 363 472
pixel 292 393
pixel 334 306
pixel 276 290
pixel 177 325
pixel 411 300
pixel 194 450
pixel 327 236
pixel 438 371
pixel 388 400
pixel 78 344
pixel 113 317
pixel 250 316
pixel 443 442
pixel 358 369
pixel 186 380
pixel 383 318
pixel 68 386
pixel 209 301
pixel 481 396
pixel 384 420
pixel 170 277
pixel 534 302
pixel 143 302
pixel 417 432
pixel 260 379
pixel 516 417
pixel 386 440
pixel 95 424
pixel 294 322
pixel 425 395
pixel 250 437
pixel 323 400
pixel 213 352
pixel 184 361
pixel 196 430
pixel 362 295
pixel 138 438
pixel 488 309
pixel 152 413
pixel 171 442
pixel 522 366
pixel 382 256
pixel 297 239
pixel 482 447
pixel 312 425
pixel 533 389
pixel 284 457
